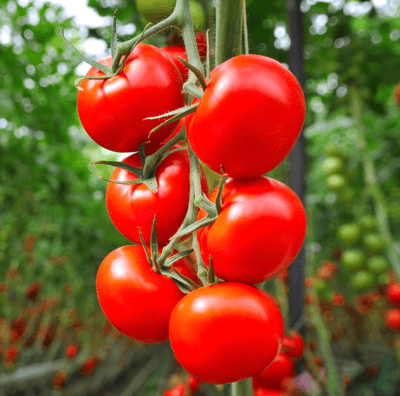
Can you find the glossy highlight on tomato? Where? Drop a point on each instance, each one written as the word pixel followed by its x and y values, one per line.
pixel 226 332
pixel 258 233
pixel 249 117
pixel 135 205
pixel 134 298
pixel 113 111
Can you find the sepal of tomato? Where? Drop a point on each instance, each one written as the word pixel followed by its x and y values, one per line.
pixel 113 111
pixel 258 232
pixel 249 117
pixel 226 332
pixel 134 298
pixel 131 206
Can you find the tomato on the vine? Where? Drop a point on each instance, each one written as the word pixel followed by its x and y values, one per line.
pixel 249 117
pixel 175 52
pixel 393 293
pixel 113 111
pixel 258 232
pixel 226 332
pixel 274 375
pixel 134 298
pixel 392 319
pixel 134 205
pixel 294 344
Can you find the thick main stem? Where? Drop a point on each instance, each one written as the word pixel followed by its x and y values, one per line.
pixel 228 26
pixel 242 388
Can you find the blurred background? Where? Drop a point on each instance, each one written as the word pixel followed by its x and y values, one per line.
pixel 55 229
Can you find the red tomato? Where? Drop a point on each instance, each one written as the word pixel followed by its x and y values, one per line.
pixel 134 298
pixel 249 117
pixel 297 346
pixel 132 206
pixel 179 390
pixel 175 52
pixel 274 375
pixel 269 392
pixel 113 111
pixel 392 319
pixel 258 233
pixel 226 332
pixel 393 293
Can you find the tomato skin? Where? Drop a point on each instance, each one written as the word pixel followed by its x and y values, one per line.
pixel 296 343
pixel 113 111
pixel 258 233
pixel 249 117
pixel 393 293
pixel 134 298
pixel 132 206
pixel 274 375
pixel 175 52
pixel 392 319
pixel 226 332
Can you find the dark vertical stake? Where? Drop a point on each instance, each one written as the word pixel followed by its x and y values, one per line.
pixel 297 159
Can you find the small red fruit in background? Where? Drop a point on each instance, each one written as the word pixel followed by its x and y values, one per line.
pixel 338 299
pixel 59 379
pixel 297 345
pixel 194 383
pixel 396 94
pixel 275 374
pixel 89 366
pixel 392 319
pixel 393 293
pixel 71 351
pixel 32 291
pixel 11 354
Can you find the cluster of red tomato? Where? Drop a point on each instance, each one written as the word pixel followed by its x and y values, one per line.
pixel 228 330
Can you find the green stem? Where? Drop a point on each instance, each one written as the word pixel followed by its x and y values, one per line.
pixel 228 30
pixel 242 388
pixel 371 181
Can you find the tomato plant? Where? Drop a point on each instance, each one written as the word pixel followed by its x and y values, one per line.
pixel 258 233
pixel 135 205
pixel 175 52
pixel 242 122
pixel 225 332
pixel 114 111
pixel 134 298
pixel 392 319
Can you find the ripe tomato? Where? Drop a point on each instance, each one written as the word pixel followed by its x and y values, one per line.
pixel 175 52
pixel 226 332
pixel 392 319
pixel 269 392
pixel 274 375
pixel 258 233
pixel 134 205
pixel 134 298
pixel 295 345
pixel 393 293
pixel 249 117
pixel 113 111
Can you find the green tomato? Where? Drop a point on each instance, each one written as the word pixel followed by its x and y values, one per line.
pixel 198 15
pixel 346 196
pixel 331 149
pixel 363 280
pixel 332 165
pixel 349 233
pixel 383 279
pixel 336 182
pixel 368 223
pixel 353 259
pixel 374 243
pixel 320 287
pixel 378 264
pixel 327 295
pixel 155 10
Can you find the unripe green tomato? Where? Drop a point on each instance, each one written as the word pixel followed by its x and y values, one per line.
pixel 363 280
pixel 382 279
pixel 346 196
pixel 155 10
pixel 331 149
pixel 198 15
pixel 378 264
pixel 327 295
pixel 320 287
pixel 353 259
pixel 336 182
pixel 368 223
pixel 349 233
pixel 374 243
pixel 332 165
